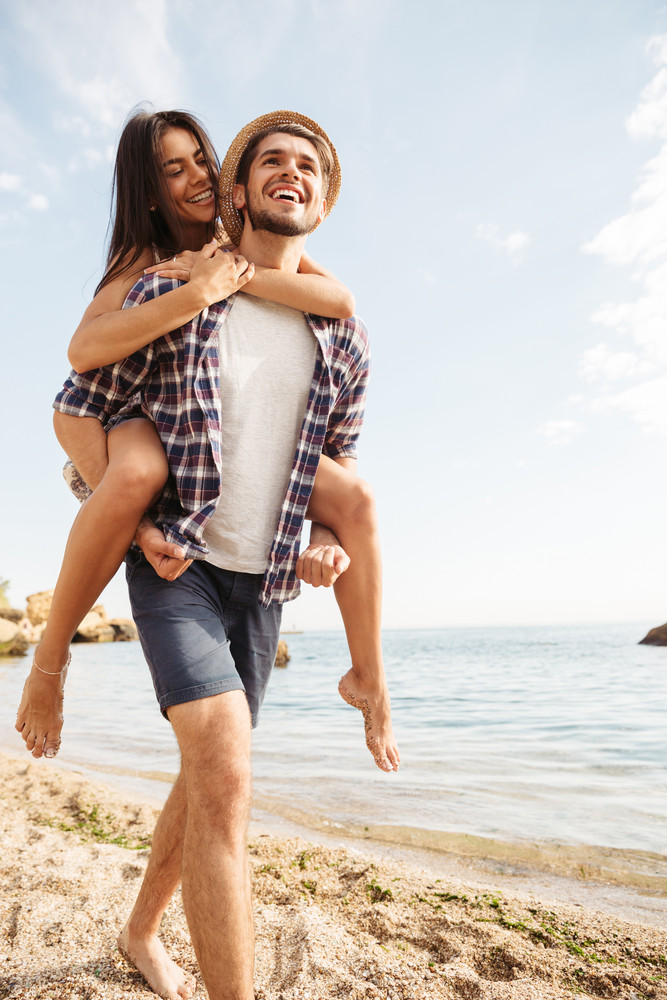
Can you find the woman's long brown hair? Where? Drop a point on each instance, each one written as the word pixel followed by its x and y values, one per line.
pixel 142 214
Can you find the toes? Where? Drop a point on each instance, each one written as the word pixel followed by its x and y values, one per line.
pixel 378 754
pixel 51 746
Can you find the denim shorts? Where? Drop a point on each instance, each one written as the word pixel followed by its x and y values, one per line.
pixel 204 633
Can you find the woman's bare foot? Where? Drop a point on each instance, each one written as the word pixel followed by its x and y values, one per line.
pixel 39 719
pixel 149 957
pixel 376 710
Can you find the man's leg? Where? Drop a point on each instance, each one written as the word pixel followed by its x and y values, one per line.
pixel 206 639
pixel 214 737
pixel 138 941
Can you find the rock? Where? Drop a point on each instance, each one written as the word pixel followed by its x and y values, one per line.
pixel 8 631
pixel 282 654
pixel 38 607
pixel 19 647
pixel 655 637
pixel 12 640
pixel 125 630
pixel 95 628
pixel 11 614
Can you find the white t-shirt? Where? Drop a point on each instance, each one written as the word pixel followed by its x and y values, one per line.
pixel 267 360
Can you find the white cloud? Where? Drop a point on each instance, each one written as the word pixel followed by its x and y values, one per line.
pixel 639 236
pixel 86 159
pixel 638 239
pixel 601 363
pixel 71 123
pixel 16 185
pixel 38 202
pixel 127 57
pixel 560 431
pixel 10 182
pixel 644 402
pixel 513 244
pixel 650 116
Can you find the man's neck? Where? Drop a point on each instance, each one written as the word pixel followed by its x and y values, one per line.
pixel 270 250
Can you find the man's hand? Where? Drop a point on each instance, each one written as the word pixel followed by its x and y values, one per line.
pixel 324 560
pixel 167 559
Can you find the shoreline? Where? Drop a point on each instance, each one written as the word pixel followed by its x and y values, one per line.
pixel 591 875
pixel 335 917
pixel 635 880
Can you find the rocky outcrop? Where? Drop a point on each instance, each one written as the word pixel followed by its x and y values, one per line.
pixel 655 637
pixel 125 629
pixel 38 607
pixel 94 628
pixel 20 629
pixel 12 614
pixel 26 627
pixel 12 640
pixel 282 654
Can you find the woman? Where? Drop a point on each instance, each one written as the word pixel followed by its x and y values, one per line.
pixel 165 185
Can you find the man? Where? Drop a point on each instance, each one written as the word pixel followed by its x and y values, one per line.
pixel 210 636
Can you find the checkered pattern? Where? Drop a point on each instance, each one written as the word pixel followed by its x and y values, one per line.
pixel 174 381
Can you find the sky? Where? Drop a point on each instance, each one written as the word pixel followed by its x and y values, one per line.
pixel 502 222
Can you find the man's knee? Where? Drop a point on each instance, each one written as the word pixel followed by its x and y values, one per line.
pixel 214 737
pixel 219 795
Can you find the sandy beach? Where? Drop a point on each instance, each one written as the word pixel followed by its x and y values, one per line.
pixel 330 922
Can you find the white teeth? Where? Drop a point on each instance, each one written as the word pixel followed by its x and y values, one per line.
pixel 201 197
pixel 286 193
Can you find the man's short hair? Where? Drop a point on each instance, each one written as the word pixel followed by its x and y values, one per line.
pixel 322 148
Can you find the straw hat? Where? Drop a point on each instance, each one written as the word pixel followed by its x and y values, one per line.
pixel 231 218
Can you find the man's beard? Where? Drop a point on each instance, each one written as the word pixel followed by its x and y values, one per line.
pixel 279 225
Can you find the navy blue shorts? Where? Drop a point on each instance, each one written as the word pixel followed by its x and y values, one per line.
pixel 204 633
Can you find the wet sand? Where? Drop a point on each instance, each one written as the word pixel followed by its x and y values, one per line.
pixel 331 921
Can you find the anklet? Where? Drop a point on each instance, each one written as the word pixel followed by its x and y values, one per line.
pixel 52 673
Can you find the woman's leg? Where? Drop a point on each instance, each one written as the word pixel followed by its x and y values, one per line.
pixel 345 504
pixel 101 535
pixel 84 441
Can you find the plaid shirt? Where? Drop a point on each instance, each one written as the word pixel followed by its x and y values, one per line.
pixel 175 382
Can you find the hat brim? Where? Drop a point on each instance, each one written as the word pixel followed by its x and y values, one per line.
pixel 230 216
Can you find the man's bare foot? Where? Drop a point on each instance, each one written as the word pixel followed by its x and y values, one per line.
pixel 39 719
pixel 376 710
pixel 149 957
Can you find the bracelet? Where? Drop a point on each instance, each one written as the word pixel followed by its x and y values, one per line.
pixel 52 673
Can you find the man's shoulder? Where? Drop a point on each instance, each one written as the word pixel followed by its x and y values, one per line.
pixel 348 334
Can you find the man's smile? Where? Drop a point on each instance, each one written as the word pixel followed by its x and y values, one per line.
pixel 288 194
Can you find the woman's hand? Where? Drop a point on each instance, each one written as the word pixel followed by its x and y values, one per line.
pixel 216 274
pixel 178 267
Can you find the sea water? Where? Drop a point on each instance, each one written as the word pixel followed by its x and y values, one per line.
pixel 550 735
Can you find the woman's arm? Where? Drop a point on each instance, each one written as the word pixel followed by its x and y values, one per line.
pixel 107 332
pixel 314 289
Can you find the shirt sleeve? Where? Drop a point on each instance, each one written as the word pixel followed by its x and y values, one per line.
pixel 102 392
pixel 347 416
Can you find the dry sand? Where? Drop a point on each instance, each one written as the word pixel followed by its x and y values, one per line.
pixel 329 923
